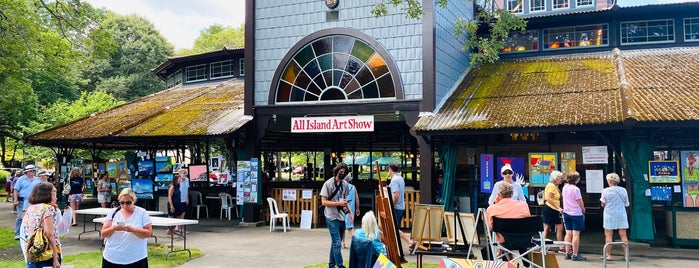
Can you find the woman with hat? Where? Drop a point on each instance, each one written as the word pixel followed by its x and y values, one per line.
pixel 507 175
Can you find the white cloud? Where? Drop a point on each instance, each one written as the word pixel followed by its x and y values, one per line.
pixel 180 21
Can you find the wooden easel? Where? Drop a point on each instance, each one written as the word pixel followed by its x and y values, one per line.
pixel 384 205
pixel 486 228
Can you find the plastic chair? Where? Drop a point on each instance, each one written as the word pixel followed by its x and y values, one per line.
pixel 274 215
pixel 226 205
pixel 197 202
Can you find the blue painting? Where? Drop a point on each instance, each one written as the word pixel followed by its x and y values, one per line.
pixel 145 168
pixel 143 188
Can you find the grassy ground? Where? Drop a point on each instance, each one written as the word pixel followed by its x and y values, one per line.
pixel 156 255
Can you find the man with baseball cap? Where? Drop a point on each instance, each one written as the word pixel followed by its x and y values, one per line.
pixel 23 188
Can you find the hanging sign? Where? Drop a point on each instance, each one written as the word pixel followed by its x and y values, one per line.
pixel 487 163
pixel 595 155
pixel 360 123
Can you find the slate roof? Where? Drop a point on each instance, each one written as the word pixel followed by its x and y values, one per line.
pixel 180 112
pixel 616 88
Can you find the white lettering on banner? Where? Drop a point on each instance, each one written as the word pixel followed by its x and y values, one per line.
pixel 362 123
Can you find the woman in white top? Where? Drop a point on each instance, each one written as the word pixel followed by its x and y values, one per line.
pixel 126 231
pixel 614 200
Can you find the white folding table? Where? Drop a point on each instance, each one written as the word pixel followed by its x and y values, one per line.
pixel 168 222
pixel 95 212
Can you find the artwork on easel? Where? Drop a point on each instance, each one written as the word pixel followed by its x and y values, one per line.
pixel 468 224
pixel 427 223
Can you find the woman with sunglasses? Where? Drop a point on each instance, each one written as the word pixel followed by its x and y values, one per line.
pixel 507 175
pixel 125 231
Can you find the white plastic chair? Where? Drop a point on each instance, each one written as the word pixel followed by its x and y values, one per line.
pixel 226 205
pixel 197 202
pixel 274 215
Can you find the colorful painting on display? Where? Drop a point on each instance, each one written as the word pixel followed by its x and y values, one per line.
pixel 464 263
pixel 663 172
pixel 487 179
pixel 145 168
pixel 123 170
pixel 517 164
pixel 567 162
pixel 143 188
pixel 102 167
pixel 112 170
pixel 383 262
pixel 164 177
pixel 661 193
pixel 540 166
pixel 197 173
pixel 690 178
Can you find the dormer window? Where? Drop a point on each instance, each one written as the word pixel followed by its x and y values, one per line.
pixel 514 6
pixel 560 4
pixel 222 69
pixel 537 5
pixel 196 73
pixel 584 3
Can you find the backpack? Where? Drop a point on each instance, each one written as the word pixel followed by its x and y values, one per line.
pixel 66 188
pixel 38 245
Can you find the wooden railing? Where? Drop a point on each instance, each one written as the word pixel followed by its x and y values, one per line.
pixel 294 207
pixel 411 198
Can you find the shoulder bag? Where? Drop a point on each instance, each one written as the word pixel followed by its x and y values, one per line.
pixel 38 246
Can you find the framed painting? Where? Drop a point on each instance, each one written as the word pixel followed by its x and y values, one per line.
pixel 690 178
pixel 143 188
pixel 540 166
pixel 468 225
pixel 87 170
pixel 198 173
pixel 112 169
pixel 427 223
pixel 102 167
pixel 145 168
pixel 123 170
pixel 663 172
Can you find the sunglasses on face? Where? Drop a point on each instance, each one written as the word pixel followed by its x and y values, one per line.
pixel 507 173
pixel 125 202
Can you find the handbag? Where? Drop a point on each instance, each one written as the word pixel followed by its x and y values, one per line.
pixel 66 189
pixel 38 245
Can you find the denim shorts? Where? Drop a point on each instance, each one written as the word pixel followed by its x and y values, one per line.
pixel 574 223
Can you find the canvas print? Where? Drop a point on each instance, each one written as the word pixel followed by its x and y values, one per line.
pixel 164 177
pixel 567 162
pixel 87 170
pixel 540 166
pixel 663 172
pixel 143 188
pixel 123 170
pixel 690 178
pixel 102 167
pixel 112 170
pixel 145 168
pixel 661 193
pixel 197 173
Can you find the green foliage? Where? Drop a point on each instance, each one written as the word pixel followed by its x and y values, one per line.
pixel 215 37
pixel 483 36
pixel 120 63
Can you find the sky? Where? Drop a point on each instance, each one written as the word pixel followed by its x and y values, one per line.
pixel 180 21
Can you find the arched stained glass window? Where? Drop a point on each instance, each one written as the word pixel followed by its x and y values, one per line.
pixel 333 68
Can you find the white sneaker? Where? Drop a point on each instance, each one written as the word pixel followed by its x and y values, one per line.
pixel 14 212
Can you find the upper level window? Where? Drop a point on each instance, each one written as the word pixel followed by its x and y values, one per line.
pixel 558 4
pixel 514 6
pixel 691 29
pixel 241 67
pixel 537 5
pixel 221 69
pixel 648 31
pixel 174 79
pixel 196 73
pixel 521 41
pixel 582 3
pixel 579 36
pixel 335 68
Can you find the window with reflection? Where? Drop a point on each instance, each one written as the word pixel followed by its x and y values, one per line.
pixel 521 41
pixel 174 79
pixel 196 73
pixel 559 4
pixel 581 3
pixel 648 31
pixel 576 37
pixel 335 68
pixel 514 6
pixel 537 5
pixel 691 29
pixel 221 69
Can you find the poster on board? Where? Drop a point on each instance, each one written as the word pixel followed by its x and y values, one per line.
pixel 567 162
pixel 663 172
pixel 690 178
pixel 540 166
pixel 595 155
pixel 594 181
pixel 247 180
pixel 487 166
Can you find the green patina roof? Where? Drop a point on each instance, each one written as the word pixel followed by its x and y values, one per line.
pixel 585 89
pixel 182 111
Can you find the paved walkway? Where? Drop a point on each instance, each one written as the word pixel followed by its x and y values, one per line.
pixel 226 244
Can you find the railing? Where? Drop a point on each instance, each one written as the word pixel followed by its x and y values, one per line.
pixel 412 197
pixel 294 207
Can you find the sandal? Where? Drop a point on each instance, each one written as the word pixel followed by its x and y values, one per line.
pixel 609 258
pixel 412 247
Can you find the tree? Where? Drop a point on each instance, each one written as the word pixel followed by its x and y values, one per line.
pixel 484 36
pixel 121 63
pixel 215 37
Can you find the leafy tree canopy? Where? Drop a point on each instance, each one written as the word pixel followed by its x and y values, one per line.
pixel 215 37
pixel 483 35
